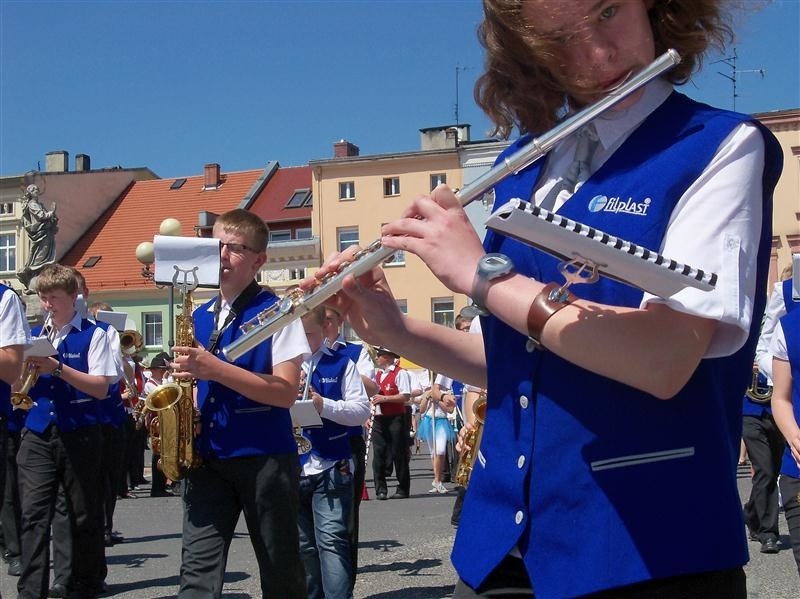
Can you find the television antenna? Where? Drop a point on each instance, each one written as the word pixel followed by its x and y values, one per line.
pixel 459 68
pixel 733 77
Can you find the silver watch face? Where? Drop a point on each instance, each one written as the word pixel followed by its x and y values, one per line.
pixel 495 265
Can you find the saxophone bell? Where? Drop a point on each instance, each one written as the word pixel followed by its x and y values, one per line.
pixel 472 441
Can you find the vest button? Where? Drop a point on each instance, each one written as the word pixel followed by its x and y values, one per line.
pixel 211 425
pixel 523 401
pixel 518 517
pixel 211 399
pixel 521 461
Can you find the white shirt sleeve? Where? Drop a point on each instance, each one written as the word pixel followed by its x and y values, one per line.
pixel 354 409
pixel 289 343
pixel 775 310
pixel 14 328
pixel 444 381
pixel 100 360
pixel 116 350
pixel 403 382
pixel 716 227
pixel 365 366
pixel 777 346
pixel 474 329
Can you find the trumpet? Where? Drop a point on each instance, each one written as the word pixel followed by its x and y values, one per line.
pixel 298 302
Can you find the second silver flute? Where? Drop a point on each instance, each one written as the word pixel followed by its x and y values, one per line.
pixel 297 303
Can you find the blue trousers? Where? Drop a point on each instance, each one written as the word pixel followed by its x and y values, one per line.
pixel 326 500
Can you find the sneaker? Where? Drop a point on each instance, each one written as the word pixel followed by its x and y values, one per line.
pixel 434 488
pixel 441 488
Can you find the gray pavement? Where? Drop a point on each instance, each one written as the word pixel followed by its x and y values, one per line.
pixel 404 549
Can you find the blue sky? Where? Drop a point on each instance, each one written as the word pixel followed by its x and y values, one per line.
pixel 172 85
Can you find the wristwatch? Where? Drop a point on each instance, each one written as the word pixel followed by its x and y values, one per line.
pixel 56 372
pixel 490 268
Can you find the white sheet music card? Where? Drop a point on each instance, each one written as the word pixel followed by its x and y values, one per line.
pixel 796 277
pixel 304 414
pixel 186 253
pixel 40 347
pixel 115 319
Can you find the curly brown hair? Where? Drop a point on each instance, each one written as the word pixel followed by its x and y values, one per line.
pixel 521 85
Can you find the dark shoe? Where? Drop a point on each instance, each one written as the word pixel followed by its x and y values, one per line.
pixel 6 556
pixel 381 496
pixel 57 590
pixel 107 540
pixel 400 495
pixel 162 494
pixel 770 546
pixel 15 567
pixel 116 537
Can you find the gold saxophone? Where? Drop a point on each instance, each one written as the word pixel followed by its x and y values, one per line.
pixel 172 431
pixel 472 442
pixel 20 399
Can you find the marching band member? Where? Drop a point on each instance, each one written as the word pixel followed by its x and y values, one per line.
pixel 60 444
pixel 14 335
pixel 326 480
pixel 630 391
pixel 249 454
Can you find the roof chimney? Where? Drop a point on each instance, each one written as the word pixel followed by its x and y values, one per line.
pixel 56 162
pixel 344 149
pixel 83 163
pixel 211 176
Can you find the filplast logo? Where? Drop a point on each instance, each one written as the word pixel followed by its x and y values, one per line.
pixel 601 203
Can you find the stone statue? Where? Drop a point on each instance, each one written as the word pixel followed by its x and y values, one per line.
pixel 41 225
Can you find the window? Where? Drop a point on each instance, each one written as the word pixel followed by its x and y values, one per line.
pixel 280 235
pixel 391 186
pixel 438 179
pixel 304 233
pixel 178 183
pixel 298 198
pixel 153 329
pixel 346 237
pixel 8 252
pixel 347 190
pixel 6 208
pixel 403 305
pixel 297 274
pixel 91 261
pixel 442 311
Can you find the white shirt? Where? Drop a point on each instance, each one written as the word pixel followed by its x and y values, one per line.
pixel 287 344
pixel 776 309
pixel 365 365
pixel 14 329
pixel 402 380
pixel 715 225
pixel 777 346
pixel 351 410
pixel 99 358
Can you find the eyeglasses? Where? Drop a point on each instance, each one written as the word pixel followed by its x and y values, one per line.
pixel 236 248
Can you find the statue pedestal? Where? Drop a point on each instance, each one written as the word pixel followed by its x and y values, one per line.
pixel 33 309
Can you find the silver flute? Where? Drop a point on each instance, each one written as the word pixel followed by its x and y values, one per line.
pixel 298 302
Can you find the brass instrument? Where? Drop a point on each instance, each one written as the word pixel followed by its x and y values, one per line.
pixel 472 442
pixel 303 443
pixel 20 400
pixel 758 392
pixel 130 342
pixel 298 302
pixel 172 431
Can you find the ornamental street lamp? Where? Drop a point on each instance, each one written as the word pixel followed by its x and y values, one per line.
pixel 146 255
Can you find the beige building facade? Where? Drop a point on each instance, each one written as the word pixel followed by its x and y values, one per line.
pixel 785 125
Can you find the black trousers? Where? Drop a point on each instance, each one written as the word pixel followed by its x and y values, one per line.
pixel 46 460
pixel 510 581
pixel 266 489
pixel 765 446
pixel 390 435
pixel 359 449
pixel 790 492
pixel 10 513
pixel 62 540
pixel 136 444
pixel 112 469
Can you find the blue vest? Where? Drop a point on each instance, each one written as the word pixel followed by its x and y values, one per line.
pixel 332 440
pixel 790 303
pixel 233 425
pixel 111 409
pixel 568 451
pixel 5 388
pixel 458 392
pixel 58 402
pixel 791 330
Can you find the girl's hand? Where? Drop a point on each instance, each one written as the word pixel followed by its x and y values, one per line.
pixel 437 229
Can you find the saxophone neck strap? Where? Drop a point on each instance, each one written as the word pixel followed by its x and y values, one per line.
pixel 239 304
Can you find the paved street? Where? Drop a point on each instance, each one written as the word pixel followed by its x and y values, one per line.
pixel 404 550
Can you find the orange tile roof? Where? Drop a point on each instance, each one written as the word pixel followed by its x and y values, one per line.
pixel 270 204
pixel 135 217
